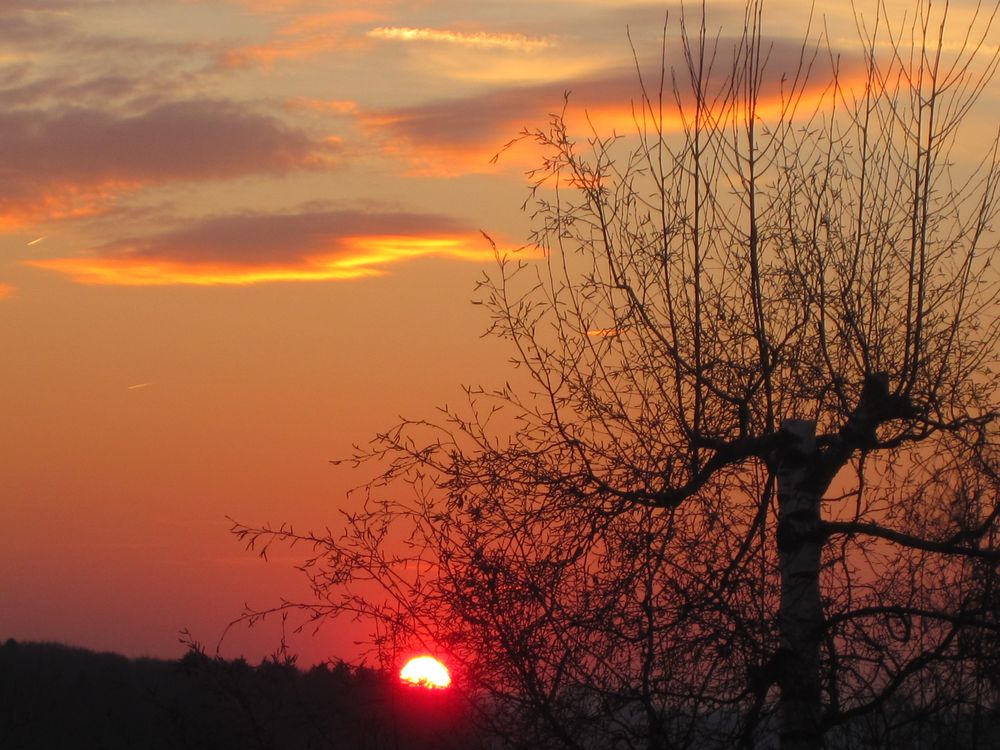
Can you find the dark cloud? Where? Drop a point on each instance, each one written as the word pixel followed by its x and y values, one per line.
pixel 179 140
pixel 490 119
pixel 262 239
pixel 321 245
pixel 52 157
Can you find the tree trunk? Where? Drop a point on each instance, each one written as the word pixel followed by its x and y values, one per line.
pixel 800 618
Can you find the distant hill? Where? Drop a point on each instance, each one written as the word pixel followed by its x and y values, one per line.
pixel 59 697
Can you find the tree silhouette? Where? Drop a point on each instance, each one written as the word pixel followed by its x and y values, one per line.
pixel 742 488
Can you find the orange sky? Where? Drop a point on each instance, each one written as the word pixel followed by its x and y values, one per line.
pixel 237 236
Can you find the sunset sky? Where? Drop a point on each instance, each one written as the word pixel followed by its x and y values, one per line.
pixel 237 236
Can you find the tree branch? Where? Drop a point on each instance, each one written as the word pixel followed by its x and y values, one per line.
pixel 908 540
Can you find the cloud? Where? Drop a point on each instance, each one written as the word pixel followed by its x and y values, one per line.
pixel 267 7
pixel 603 332
pixel 254 248
pixel 305 37
pixel 470 39
pixel 51 55
pixel 461 135
pixel 20 90
pixel 78 160
pixel 91 115
pixel 6 290
pixel 334 106
pixel 22 27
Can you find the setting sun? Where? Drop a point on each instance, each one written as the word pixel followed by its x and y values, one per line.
pixel 425 671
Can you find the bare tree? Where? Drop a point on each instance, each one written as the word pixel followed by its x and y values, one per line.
pixel 742 489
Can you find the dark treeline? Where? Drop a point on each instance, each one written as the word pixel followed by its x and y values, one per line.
pixel 55 696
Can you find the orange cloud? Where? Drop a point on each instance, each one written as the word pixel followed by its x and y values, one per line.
pixel 337 106
pixel 6 290
pixel 461 135
pixel 305 37
pixel 250 249
pixel 58 200
pixel 162 272
pixel 474 39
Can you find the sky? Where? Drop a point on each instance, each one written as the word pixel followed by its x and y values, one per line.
pixel 238 236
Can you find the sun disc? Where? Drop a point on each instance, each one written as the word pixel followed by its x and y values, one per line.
pixel 425 671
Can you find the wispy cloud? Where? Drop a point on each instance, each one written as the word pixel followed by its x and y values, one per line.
pixel 256 248
pixel 335 106
pixel 469 39
pixel 307 36
pixel 51 57
pixel 6 290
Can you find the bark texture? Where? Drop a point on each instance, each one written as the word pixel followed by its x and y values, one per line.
pixel 800 617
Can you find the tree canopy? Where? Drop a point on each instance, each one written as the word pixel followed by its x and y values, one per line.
pixel 741 487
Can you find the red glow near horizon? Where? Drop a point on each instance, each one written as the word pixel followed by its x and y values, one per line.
pixel 426 672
